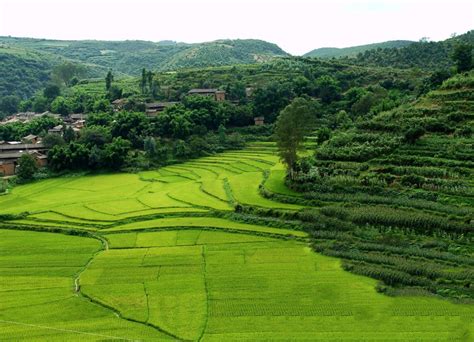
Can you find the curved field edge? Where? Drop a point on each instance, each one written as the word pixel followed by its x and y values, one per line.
pixel 39 302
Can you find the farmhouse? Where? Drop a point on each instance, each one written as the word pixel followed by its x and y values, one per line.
pixel 72 118
pixel 78 125
pixel 9 160
pixel 10 153
pixel 259 120
pixel 30 139
pixel 56 130
pixel 7 168
pixel 119 104
pixel 152 109
pixel 40 158
pixel 12 148
pixel 218 95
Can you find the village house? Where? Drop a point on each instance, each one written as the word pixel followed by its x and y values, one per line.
pixel 259 120
pixel 218 95
pixel 40 158
pixel 11 153
pixel 25 117
pixel 152 109
pixel 30 139
pixel 119 104
pixel 72 118
pixel 19 147
pixel 7 168
pixel 59 129
pixel 79 124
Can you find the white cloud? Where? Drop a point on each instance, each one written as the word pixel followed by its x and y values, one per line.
pixel 296 25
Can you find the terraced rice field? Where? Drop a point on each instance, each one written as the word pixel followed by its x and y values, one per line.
pixel 156 256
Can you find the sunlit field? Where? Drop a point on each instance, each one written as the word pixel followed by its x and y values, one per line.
pixel 161 255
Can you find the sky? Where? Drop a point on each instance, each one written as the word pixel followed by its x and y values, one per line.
pixel 297 26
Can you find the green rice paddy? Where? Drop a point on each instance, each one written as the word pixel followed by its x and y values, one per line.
pixel 156 258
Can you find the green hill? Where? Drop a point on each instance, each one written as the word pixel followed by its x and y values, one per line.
pixel 23 70
pixel 130 56
pixel 331 52
pixel 25 63
pixel 425 55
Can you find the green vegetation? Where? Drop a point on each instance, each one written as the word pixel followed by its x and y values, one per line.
pixel 292 126
pixel 423 54
pixel 209 231
pixel 397 193
pixel 196 284
pixel 26 168
pixel 354 50
pixel 26 64
pixel 161 255
pixel 39 302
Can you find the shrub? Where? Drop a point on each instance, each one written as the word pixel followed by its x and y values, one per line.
pixel 413 134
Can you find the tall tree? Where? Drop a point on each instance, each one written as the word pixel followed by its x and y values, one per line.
pixel 63 73
pixel 462 56
pixel 149 145
pixel 294 122
pixel 149 79
pixel 143 81
pixel 108 80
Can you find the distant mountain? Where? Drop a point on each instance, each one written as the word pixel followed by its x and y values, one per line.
pixel 25 63
pixel 330 52
pixel 131 56
pixel 423 55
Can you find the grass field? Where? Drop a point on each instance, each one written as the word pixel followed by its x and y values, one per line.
pixel 160 262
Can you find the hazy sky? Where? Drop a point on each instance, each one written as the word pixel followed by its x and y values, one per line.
pixel 297 26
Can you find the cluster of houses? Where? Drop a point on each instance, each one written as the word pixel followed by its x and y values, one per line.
pixel 155 108
pixel 11 151
pixel 25 117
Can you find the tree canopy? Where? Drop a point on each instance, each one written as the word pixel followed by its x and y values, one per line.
pixel 294 122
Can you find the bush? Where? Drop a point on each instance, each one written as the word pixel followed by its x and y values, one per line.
pixel 413 134
pixel 27 167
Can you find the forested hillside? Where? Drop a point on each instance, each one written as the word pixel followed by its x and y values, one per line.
pixel 22 72
pixel 425 55
pixel 25 63
pixel 130 57
pixel 331 52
